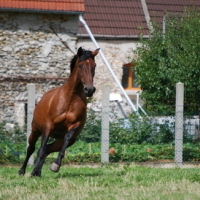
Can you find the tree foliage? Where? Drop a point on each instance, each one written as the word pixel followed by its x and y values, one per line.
pixel 171 57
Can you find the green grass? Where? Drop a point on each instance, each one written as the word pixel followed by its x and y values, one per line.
pixel 111 182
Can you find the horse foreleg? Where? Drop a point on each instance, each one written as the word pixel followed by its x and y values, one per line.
pixel 41 157
pixel 31 148
pixel 68 141
pixel 53 147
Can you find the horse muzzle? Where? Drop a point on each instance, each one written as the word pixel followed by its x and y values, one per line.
pixel 89 91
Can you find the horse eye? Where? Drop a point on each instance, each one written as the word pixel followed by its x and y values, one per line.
pixel 80 66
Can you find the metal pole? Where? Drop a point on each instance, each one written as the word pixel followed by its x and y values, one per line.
pixel 107 64
pixel 30 109
pixel 105 125
pixel 179 124
pixel 137 100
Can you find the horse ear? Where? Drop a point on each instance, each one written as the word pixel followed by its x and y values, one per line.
pixel 94 53
pixel 80 52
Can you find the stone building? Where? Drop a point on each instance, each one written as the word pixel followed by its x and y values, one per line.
pixel 31 52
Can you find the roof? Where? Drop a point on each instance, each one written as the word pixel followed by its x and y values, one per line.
pixel 43 5
pixel 157 9
pixel 119 18
pixel 126 18
pixel 106 18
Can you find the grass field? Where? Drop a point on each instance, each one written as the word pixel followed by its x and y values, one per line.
pixel 111 182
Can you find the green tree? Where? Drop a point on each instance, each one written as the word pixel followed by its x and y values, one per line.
pixel 167 58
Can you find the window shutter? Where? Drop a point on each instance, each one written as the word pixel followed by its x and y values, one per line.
pixel 125 77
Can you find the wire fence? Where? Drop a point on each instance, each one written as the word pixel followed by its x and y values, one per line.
pixel 130 136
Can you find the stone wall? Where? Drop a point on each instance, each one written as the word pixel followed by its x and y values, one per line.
pixel 30 49
pixel 31 53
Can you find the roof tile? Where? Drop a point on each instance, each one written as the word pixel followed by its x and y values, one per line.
pixel 158 8
pixel 114 17
pixel 107 17
pixel 49 5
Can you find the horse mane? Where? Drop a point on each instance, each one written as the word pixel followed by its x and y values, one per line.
pixel 86 54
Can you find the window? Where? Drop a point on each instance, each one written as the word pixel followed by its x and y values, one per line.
pixel 129 77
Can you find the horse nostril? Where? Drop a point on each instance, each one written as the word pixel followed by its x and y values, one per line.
pixel 89 91
pixel 86 90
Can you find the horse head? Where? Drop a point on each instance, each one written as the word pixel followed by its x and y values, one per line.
pixel 86 66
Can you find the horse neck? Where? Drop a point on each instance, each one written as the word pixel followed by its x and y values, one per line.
pixel 74 85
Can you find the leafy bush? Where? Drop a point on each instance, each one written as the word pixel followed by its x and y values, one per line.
pixel 139 130
pixel 123 153
pixel 12 143
pixel 134 130
pixel 138 153
pixel 92 129
pixel 9 159
pixel 135 139
pixel 15 136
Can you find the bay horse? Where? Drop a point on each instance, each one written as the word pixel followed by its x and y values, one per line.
pixel 61 113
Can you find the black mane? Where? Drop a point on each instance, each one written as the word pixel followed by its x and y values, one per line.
pixel 86 54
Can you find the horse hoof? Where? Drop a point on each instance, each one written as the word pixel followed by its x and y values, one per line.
pixel 21 172
pixel 54 167
pixel 36 174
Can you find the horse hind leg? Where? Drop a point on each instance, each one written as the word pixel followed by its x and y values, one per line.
pixel 31 148
pixel 41 157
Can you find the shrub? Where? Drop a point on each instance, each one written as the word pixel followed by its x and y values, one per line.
pixel 139 130
pixel 92 129
pixel 12 142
